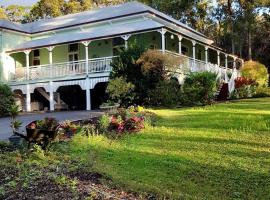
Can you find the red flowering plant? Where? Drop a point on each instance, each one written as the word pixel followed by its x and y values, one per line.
pixel 116 123
pixel 47 123
pixel 134 124
pixel 244 88
pixel 68 128
pixel 243 81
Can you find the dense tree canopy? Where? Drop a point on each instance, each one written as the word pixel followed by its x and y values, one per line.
pixel 239 26
pixel 2 13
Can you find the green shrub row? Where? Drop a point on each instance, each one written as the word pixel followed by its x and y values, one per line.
pixel 145 78
pixel 6 99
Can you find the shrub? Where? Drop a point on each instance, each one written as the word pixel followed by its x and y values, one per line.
pixel 125 65
pixel 244 88
pixel 256 71
pixel 120 91
pixel 199 88
pixel 244 81
pixel 67 128
pixel 167 93
pixel 144 70
pixel 157 66
pixel 6 99
pixel 103 124
pixel 262 92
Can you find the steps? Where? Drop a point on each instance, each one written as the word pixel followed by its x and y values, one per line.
pixel 44 94
pixel 222 93
pixel 59 104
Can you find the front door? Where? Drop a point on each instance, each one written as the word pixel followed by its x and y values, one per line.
pixel 73 56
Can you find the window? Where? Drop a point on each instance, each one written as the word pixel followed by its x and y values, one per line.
pixel 36 57
pixel 153 46
pixel 118 46
pixel 118 42
pixel 73 56
pixel 73 48
pixel 199 55
pixel 184 50
pixel 73 52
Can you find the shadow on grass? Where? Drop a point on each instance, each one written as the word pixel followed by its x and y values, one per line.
pixel 180 139
pixel 216 120
pixel 181 176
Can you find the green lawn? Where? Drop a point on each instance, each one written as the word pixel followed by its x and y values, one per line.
pixel 214 152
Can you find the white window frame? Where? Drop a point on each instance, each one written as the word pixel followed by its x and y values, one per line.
pixel 36 57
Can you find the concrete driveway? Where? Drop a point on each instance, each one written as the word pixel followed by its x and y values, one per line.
pixel 5 130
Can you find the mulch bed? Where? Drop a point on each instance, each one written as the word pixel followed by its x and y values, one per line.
pixel 42 184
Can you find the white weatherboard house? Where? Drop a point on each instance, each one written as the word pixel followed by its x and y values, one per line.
pixel 66 60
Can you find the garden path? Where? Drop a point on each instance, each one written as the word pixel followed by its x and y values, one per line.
pixel 5 130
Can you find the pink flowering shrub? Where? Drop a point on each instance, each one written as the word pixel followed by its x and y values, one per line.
pixel 128 120
pixel 128 124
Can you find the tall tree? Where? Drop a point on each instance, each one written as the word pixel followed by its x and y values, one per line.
pixel 2 13
pixel 75 6
pixel 16 13
pixel 47 9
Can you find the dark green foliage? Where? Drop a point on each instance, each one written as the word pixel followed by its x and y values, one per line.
pixel 145 70
pixel 262 92
pixel 199 88
pixel 6 99
pixel 120 91
pixel 167 93
pixel 126 66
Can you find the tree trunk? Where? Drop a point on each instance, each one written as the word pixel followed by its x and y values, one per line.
pixel 249 45
pixel 233 45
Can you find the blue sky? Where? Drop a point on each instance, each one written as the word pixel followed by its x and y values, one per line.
pixel 17 2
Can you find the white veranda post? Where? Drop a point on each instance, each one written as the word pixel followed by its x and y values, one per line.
pixel 206 54
pixel 180 38
pixel 163 39
pixel 28 94
pixel 126 37
pixel 86 46
pixel 226 69
pixel 194 52
pixel 87 85
pixel 50 49
pixel 218 58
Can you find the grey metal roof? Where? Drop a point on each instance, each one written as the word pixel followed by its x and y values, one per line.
pixel 10 25
pixel 88 17
pixel 92 34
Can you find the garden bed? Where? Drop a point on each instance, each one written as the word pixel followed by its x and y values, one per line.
pixel 33 177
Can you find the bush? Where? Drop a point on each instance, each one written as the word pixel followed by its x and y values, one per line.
pixel 256 71
pixel 244 88
pixel 199 88
pixel 6 99
pixel 262 92
pixel 157 66
pixel 167 93
pixel 126 66
pixel 120 91
pixel 145 70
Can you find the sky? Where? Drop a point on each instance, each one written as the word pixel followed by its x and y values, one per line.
pixel 17 2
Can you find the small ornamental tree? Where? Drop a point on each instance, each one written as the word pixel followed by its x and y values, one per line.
pixel 145 70
pixel 157 65
pixel 121 91
pixel 199 88
pixel 166 93
pixel 255 71
pixel 6 99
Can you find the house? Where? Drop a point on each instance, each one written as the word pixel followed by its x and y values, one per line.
pixel 65 62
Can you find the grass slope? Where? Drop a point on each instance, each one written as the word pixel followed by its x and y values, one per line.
pixel 214 152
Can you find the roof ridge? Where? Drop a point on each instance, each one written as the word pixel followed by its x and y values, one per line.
pixel 95 9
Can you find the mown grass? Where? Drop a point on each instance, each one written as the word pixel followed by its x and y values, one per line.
pixel 213 152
